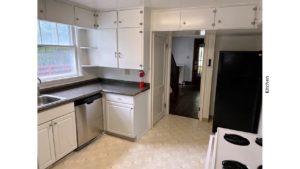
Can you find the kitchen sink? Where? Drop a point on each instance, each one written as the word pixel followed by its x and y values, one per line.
pixel 47 99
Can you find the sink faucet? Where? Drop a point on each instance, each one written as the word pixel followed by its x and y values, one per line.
pixel 38 87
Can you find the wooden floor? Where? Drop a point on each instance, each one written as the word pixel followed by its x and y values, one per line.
pixel 187 102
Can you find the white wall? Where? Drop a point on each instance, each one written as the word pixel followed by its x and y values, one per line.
pixel 122 74
pixel 240 42
pixel 183 51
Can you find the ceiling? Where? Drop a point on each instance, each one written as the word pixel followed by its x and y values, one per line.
pixel 156 4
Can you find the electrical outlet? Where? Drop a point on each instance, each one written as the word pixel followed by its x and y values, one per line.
pixel 127 71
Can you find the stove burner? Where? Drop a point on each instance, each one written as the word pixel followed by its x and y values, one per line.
pixel 230 164
pixel 236 139
pixel 258 141
pixel 259 167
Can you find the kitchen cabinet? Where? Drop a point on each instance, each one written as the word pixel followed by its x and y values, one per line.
pixel 130 18
pixel 56 134
pixel 106 53
pixel 120 118
pixel 127 115
pixel 45 145
pixel 107 20
pixel 59 12
pixel 197 18
pixel 130 42
pixel 41 9
pixel 84 18
pixel 236 17
pixel 165 20
pixel 125 47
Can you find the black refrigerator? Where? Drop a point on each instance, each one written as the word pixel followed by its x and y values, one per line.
pixel 238 97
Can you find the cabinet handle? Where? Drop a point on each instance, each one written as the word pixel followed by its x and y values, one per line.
pixel 119 54
pixel 41 11
pixel 55 123
pixel 141 11
pixel 140 31
pixel 184 23
pixel 77 19
pixel 116 55
pixel 255 8
pixel 141 65
pixel 219 21
pixel 120 21
pixel 115 22
pixel 96 15
pixel 50 125
pixel 213 24
pixel 96 25
pixel 253 23
pixel 141 23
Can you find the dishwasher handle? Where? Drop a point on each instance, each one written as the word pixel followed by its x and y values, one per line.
pixel 88 100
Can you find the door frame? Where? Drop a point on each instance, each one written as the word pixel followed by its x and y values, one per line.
pixel 206 81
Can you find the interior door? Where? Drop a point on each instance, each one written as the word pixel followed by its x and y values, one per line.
pixel 159 60
pixel 45 145
pixel 64 130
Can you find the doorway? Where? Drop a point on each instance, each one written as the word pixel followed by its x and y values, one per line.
pixel 186 70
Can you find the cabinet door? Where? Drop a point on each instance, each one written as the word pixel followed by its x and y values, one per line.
pixel 235 17
pixel 197 18
pixel 59 12
pixel 119 118
pixel 41 9
pixel 84 18
pixel 130 48
pixel 131 18
pixel 46 154
pixel 107 20
pixel 64 130
pixel 165 20
pixel 106 54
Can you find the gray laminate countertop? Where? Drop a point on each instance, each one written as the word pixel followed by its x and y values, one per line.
pixel 81 90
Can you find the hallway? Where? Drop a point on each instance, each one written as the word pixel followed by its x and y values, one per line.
pixel 187 102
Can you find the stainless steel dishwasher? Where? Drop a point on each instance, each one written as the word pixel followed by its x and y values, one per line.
pixel 89 118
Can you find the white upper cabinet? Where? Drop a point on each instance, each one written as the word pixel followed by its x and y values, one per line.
pixel 59 12
pixel 165 20
pixel 106 53
pixel 41 9
pixel 197 18
pixel 131 18
pixel 107 20
pixel 84 18
pixel 130 43
pixel 235 17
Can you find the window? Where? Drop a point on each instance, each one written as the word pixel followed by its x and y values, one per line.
pixel 200 59
pixel 56 51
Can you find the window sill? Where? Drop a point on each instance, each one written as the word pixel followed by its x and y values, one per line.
pixel 61 81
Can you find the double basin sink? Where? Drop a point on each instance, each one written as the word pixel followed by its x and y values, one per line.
pixel 47 99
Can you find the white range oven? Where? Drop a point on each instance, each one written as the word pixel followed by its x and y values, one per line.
pixel 231 149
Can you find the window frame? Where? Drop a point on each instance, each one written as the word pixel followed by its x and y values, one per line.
pixel 74 47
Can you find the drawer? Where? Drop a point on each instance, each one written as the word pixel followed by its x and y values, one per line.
pixel 119 98
pixel 55 112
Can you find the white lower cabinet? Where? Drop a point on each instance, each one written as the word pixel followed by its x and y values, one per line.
pixel 56 134
pixel 45 145
pixel 127 115
pixel 120 118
